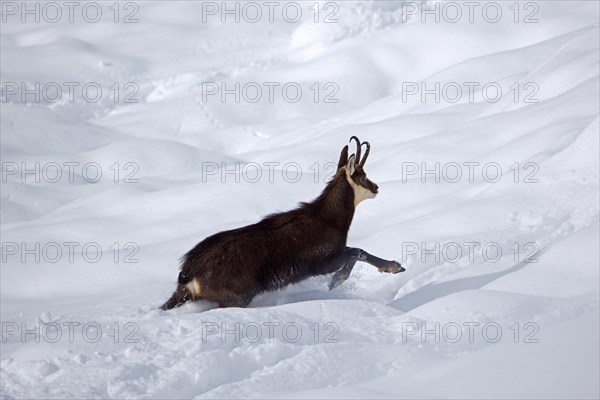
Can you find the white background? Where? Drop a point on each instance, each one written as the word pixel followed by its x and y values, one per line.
pixel 374 54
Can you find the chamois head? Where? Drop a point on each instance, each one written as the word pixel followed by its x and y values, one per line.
pixel 353 168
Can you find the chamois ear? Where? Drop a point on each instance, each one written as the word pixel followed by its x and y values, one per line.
pixel 351 164
pixel 343 157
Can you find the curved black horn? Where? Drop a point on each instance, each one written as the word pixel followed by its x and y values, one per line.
pixel 362 162
pixel 358 147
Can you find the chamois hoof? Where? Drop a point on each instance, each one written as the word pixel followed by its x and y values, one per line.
pixel 337 279
pixel 393 268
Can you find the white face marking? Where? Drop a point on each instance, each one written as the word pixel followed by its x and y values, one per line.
pixel 194 287
pixel 360 193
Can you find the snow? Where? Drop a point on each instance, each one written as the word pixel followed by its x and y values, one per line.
pixel 527 329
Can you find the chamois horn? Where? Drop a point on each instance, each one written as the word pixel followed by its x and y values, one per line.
pixel 364 159
pixel 359 145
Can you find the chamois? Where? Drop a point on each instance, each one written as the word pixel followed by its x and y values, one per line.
pixel 230 268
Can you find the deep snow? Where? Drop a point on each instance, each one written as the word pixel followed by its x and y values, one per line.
pixel 528 329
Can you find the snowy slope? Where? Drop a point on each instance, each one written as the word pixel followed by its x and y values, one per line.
pixel 527 329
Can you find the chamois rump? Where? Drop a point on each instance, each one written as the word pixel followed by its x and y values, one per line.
pixel 230 268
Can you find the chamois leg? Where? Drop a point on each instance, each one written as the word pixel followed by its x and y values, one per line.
pixel 351 256
pixel 344 267
pixel 234 302
pixel 341 274
pixel 381 264
pixel 237 298
pixel 180 296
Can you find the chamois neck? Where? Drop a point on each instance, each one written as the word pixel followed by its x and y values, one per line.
pixel 336 202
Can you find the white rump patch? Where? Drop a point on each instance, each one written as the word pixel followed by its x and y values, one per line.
pixel 194 287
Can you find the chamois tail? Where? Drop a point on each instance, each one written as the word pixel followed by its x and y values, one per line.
pixel 179 297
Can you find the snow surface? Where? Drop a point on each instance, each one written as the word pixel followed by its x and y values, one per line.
pixel 366 345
